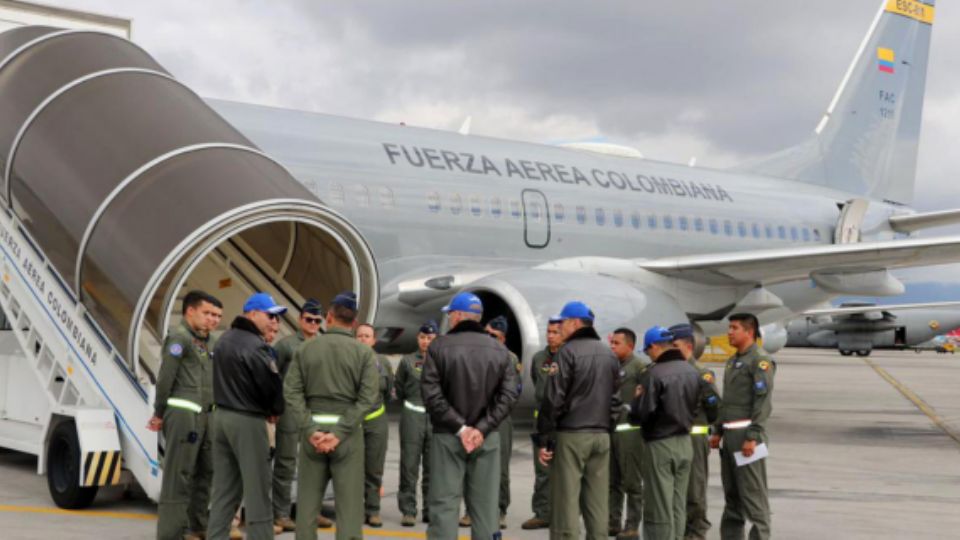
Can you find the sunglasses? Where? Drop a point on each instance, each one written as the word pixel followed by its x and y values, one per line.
pixel 273 316
pixel 312 320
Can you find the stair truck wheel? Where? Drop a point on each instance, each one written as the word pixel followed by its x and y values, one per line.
pixel 63 469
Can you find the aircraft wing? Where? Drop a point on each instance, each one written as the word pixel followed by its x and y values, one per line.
pixel 914 222
pixel 771 266
pixel 856 310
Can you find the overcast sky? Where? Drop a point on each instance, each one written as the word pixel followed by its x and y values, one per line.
pixel 722 81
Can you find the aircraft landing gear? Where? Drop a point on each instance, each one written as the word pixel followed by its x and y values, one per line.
pixel 844 352
pixel 863 352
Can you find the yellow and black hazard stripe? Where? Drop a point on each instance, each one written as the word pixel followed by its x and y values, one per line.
pixel 102 468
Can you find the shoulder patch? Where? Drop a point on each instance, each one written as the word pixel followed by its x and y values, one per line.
pixel 764 365
pixel 175 350
pixel 708 377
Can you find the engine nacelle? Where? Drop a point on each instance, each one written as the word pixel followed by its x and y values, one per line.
pixel 774 337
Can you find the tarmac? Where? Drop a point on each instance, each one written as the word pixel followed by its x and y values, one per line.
pixel 860 448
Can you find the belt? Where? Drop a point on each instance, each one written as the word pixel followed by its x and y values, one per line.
pixel 737 424
pixel 325 418
pixel 375 414
pixel 700 430
pixel 184 404
pixel 415 408
pixel 626 427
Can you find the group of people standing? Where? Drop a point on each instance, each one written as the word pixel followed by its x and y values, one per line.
pixel 610 428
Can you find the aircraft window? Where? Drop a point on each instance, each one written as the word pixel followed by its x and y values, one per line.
pixel 698 224
pixel 793 234
pixel 728 227
pixel 782 232
pixel 806 234
pixel 755 229
pixel 601 217
pixel 768 229
pixel 618 218
pixel 386 198
pixel 496 207
pixel 742 229
pixel 714 227
pixel 581 215
pixel 456 204
pixel 363 196
pixel 476 206
pixel 668 222
pixel 337 195
pixel 515 208
pixel 635 220
pixel 683 223
pixel 652 222
pixel 533 211
pixel 558 214
pixel 433 201
pixel 816 235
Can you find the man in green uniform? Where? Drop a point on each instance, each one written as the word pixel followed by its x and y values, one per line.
pixel 704 416
pixel 626 444
pixel 747 404
pixel 285 455
pixel 247 392
pixel 665 401
pixel 182 410
pixel 331 385
pixel 415 430
pixel 541 369
pixel 576 416
pixel 469 388
pixel 376 431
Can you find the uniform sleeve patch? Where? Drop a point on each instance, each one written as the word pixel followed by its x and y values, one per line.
pixel 764 365
pixel 760 386
pixel 708 377
pixel 176 350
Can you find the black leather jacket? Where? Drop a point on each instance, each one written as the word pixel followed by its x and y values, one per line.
pixel 468 380
pixel 245 374
pixel 583 394
pixel 671 393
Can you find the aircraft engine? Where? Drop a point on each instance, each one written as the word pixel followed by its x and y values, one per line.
pixel 774 337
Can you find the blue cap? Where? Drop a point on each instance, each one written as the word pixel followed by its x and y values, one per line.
pixel 262 301
pixel 429 327
pixel 312 306
pixel 656 334
pixel 681 331
pixel 347 299
pixel 575 310
pixel 499 323
pixel 465 301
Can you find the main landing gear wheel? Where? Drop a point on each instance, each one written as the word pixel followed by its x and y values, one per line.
pixel 63 469
pixel 845 353
pixel 863 352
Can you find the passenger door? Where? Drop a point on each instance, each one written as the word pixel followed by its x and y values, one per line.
pixel 536 219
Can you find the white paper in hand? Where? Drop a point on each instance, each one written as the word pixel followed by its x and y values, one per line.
pixel 759 453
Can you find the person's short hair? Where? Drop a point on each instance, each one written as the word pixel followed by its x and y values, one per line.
pixel 628 333
pixel 343 314
pixel 194 298
pixel 586 322
pixel 748 321
pixel 368 325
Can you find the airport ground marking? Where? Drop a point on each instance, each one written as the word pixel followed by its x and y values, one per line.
pixel 924 407
pixel 75 513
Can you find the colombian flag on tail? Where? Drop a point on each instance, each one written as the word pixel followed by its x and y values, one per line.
pixel 885 59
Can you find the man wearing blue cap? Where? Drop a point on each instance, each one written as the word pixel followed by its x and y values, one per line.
pixel 285 455
pixel 574 424
pixel 415 431
pixel 247 389
pixel 704 416
pixel 469 387
pixel 542 367
pixel 332 383
pixel 666 398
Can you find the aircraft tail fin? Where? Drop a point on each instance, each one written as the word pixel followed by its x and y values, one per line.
pixel 866 143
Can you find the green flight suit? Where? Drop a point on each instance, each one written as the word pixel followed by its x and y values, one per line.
pixel 580 479
pixel 376 432
pixel 184 400
pixel 747 396
pixel 666 474
pixel 539 373
pixel 704 416
pixel 415 434
pixel 329 387
pixel 287 436
pixel 626 460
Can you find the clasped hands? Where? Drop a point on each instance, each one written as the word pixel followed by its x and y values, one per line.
pixel 323 442
pixel 471 439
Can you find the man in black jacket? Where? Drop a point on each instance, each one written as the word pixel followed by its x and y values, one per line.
pixel 576 416
pixel 247 390
pixel 666 399
pixel 469 385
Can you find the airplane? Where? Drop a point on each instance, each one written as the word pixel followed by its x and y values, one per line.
pixel 122 189
pixel 861 327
